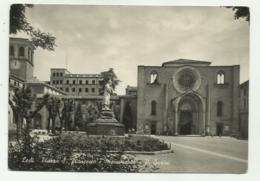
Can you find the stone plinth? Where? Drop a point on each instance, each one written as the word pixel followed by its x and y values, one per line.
pixel 106 124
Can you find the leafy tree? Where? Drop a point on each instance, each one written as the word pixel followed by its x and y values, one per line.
pixel 67 110
pixel 19 23
pixel 92 113
pixel 108 75
pixel 21 103
pixel 241 12
pixel 53 106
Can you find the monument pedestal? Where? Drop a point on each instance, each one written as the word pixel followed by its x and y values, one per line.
pixel 106 124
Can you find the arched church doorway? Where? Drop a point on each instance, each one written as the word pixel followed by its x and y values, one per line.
pixel 185 122
pixel 190 115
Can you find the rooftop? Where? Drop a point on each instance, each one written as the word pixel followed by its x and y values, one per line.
pixel 20 41
pixel 35 81
pixel 246 83
pixel 83 75
pixel 179 62
pixel 131 87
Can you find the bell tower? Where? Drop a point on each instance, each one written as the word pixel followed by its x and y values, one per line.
pixel 21 58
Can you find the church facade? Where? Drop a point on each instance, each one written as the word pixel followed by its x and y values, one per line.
pixel 188 97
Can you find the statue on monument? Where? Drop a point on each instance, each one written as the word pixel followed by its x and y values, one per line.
pixel 108 90
pixel 106 124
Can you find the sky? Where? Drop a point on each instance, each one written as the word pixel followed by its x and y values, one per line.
pixel 92 39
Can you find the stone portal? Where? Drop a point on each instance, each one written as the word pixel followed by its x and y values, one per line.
pixel 189 115
pixel 185 122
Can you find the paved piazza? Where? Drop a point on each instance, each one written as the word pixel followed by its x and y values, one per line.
pixel 202 154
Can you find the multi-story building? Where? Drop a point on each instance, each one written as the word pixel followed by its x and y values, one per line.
pixel 188 97
pixel 40 88
pixel 76 84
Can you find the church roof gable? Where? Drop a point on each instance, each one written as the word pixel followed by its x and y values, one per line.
pixel 180 62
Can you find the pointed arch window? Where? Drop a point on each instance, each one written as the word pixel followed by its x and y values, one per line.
pixel 219 108
pixel 153 77
pixel 153 108
pixel 220 77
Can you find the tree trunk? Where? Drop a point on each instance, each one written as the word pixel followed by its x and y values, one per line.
pixel 61 123
pixel 53 124
pixel 19 125
pixel 28 124
pixel 48 125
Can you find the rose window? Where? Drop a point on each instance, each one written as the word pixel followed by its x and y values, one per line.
pixel 186 79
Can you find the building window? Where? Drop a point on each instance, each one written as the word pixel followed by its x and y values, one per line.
pixel 61 74
pixel 11 53
pixel 220 77
pixel 74 82
pixel 21 51
pixel 61 82
pixel 80 82
pixel 53 82
pixel 67 89
pixel 80 89
pixel 93 82
pixel 93 89
pixel 153 77
pixel 86 81
pixel 53 74
pixel 153 108
pixel 73 89
pixel 86 89
pixel 219 108
pixel 68 82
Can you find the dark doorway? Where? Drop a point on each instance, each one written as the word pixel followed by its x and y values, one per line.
pixel 153 128
pixel 128 118
pixel 185 122
pixel 219 129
